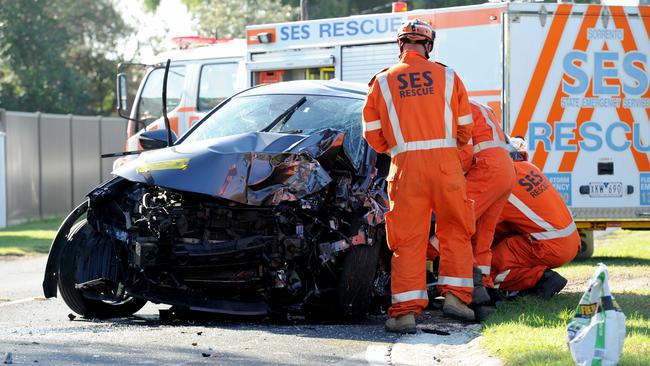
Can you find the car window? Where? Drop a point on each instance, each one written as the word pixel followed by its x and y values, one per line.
pixel 150 104
pixel 217 82
pixel 254 113
pixel 327 112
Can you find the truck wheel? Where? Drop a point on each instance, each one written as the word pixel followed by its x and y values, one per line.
pixel 355 284
pixel 84 243
pixel 586 244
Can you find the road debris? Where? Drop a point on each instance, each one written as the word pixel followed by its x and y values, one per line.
pixel 205 354
pixel 8 358
pixel 72 317
pixel 435 331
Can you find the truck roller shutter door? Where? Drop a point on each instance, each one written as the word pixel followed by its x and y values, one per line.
pixel 360 63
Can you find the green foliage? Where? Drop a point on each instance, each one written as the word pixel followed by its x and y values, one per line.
pixel 342 8
pixel 229 18
pixel 150 5
pixel 59 56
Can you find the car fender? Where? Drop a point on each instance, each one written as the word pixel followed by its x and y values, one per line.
pixel 52 267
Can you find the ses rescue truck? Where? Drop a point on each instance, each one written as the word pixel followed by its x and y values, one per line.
pixel 572 79
pixel 203 72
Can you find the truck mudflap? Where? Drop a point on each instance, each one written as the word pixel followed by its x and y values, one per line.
pixel 52 267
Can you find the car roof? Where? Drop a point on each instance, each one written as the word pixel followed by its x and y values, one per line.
pixel 334 88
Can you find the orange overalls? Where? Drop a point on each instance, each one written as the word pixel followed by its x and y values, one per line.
pixel 418 112
pixel 489 181
pixel 545 235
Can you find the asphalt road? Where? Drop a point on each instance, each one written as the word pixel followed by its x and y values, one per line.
pixel 38 331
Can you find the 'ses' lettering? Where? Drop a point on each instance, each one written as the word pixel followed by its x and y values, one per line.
pixel 415 80
pixel 531 181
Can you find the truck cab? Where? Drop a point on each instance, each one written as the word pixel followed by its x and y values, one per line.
pixel 203 73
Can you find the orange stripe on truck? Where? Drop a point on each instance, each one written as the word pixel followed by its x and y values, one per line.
pixel 541 70
pixel 629 45
pixel 557 111
pixel 466 18
pixel 483 93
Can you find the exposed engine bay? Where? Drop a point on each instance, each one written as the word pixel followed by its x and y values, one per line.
pixel 213 254
pixel 285 254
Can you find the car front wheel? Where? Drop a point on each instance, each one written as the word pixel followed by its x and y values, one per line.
pixel 84 255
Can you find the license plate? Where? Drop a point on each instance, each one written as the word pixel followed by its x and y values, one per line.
pixel 606 189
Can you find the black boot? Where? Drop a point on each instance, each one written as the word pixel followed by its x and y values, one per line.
pixel 482 312
pixel 550 284
pixel 496 297
pixel 480 294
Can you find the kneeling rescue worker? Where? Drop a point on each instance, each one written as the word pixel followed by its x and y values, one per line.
pixel 418 112
pixel 539 234
pixel 489 182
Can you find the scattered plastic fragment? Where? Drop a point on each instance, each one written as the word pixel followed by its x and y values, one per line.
pixel 435 331
pixel 8 358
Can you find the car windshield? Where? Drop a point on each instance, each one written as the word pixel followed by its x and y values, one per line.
pixel 285 113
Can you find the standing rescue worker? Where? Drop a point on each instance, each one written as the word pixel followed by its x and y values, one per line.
pixel 540 234
pixel 418 112
pixel 489 182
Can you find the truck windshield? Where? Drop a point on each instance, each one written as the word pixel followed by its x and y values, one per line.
pixel 255 113
pixel 150 103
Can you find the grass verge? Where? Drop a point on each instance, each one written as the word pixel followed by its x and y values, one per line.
pixel 530 331
pixel 29 238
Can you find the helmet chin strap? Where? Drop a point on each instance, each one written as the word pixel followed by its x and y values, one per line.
pixel 427 50
pixel 425 45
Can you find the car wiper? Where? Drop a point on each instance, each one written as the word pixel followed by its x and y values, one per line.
pixel 292 132
pixel 286 114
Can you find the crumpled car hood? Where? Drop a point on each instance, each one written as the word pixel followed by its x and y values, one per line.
pixel 258 168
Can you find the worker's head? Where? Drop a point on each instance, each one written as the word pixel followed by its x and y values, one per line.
pixel 416 35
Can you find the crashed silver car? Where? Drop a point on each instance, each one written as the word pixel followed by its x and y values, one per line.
pixel 271 204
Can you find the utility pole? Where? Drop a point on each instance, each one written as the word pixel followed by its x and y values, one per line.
pixel 303 10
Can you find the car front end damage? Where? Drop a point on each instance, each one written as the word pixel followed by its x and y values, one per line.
pixel 253 224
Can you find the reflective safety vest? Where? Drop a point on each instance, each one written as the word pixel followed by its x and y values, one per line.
pixel 487 133
pixel 535 207
pixel 416 105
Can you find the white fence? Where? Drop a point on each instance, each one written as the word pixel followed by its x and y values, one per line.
pixel 50 162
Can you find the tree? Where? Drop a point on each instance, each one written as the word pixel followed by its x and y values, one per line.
pixel 342 8
pixel 59 56
pixel 229 18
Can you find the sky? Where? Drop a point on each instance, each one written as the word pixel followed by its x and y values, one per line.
pixel 171 19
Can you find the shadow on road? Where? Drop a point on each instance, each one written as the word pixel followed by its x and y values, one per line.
pixel 371 329
pixel 103 353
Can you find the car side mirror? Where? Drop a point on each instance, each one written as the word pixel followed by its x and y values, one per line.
pixel 122 96
pixel 155 139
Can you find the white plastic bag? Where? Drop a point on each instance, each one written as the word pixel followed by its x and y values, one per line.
pixel 597 331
